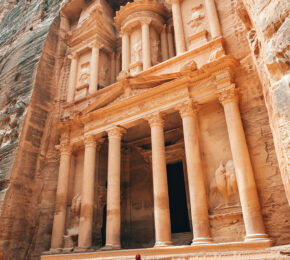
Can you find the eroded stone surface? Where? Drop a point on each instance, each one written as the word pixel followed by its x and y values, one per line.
pixel 55 73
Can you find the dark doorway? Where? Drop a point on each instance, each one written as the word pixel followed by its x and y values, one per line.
pixel 177 198
pixel 103 230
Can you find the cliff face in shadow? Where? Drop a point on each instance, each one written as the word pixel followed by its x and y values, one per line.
pixel 30 52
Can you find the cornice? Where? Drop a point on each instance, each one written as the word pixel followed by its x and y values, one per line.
pixel 139 6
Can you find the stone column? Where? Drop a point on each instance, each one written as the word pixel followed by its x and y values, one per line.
pixel 88 192
pixel 160 186
pixel 213 20
pixel 253 220
pixel 146 56
pixel 164 44
pixel 94 68
pixel 72 77
pixel 178 26
pixel 125 51
pixel 118 56
pixel 197 190
pixel 113 67
pixel 113 225
pixel 171 52
pixel 61 198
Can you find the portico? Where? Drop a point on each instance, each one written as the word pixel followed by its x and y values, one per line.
pixel 185 95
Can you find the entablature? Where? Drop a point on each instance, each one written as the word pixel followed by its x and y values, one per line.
pixel 201 85
pixel 94 26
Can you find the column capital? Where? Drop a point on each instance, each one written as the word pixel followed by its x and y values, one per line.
pixel 96 44
pixel 164 28
pixel 155 119
pixel 144 20
pixel 65 149
pixel 187 108
pixel 228 94
pixel 170 2
pixel 116 132
pixel 124 31
pixel 92 141
pixel 73 56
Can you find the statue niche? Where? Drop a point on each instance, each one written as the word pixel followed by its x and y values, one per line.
pixel 155 51
pixel 84 74
pixel 223 188
pixel 136 55
pixel 70 240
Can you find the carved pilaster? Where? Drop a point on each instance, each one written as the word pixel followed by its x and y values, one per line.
pixel 155 119
pixel 229 94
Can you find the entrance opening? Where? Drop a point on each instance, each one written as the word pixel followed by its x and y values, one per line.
pixel 103 230
pixel 177 198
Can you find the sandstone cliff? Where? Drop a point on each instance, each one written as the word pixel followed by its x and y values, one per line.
pixel 269 37
pixel 29 54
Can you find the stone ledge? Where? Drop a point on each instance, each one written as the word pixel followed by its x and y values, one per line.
pixel 171 251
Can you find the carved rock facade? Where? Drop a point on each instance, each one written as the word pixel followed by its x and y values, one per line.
pixel 144 124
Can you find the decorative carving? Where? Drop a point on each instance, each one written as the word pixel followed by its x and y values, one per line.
pixel 136 54
pixel 70 240
pixel 155 119
pixel 224 184
pixel 84 74
pixel 103 74
pixel 187 108
pixel 65 149
pixel 155 50
pixel 116 132
pixel 196 19
pixel 188 67
pixel 73 56
pixel 90 140
pixel 215 54
pixel 227 95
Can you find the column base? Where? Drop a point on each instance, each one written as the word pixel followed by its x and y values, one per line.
pixel 83 249
pixel 257 237
pixel 111 247
pixel 55 250
pixel 201 241
pixel 163 244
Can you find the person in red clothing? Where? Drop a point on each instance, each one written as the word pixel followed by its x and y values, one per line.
pixel 138 257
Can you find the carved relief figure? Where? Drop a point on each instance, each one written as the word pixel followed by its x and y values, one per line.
pixel 103 75
pixel 223 188
pixel 155 51
pixel 136 52
pixel 196 19
pixel 84 74
pixel 73 230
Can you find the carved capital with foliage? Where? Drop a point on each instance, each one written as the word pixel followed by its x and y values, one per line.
pixel 228 95
pixel 155 119
pixel 187 108
pixel 65 149
pixel 73 56
pixel 116 132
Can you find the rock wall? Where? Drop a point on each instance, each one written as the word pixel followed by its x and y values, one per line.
pixel 31 54
pixel 268 25
pixel 31 58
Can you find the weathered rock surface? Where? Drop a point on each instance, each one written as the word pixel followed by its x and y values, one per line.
pixel 31 66
pixel 269 41
pixel 30 52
